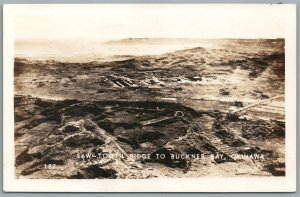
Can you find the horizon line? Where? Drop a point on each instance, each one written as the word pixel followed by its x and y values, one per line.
pixel 127 38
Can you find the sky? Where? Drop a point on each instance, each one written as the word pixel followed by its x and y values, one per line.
pixel 112 22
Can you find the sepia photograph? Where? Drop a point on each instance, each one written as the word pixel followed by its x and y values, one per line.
pixel 149 92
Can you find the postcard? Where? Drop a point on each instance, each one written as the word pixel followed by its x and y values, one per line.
pixel 149 98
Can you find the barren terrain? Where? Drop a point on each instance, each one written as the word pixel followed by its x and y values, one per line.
pixel 224 101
